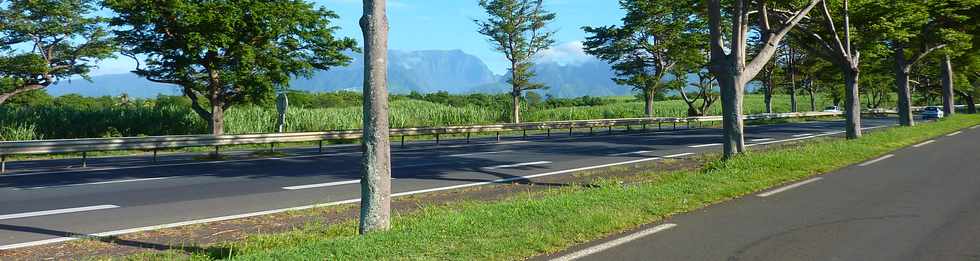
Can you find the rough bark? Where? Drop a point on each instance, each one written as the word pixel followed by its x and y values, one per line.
pixel 217 121
pixel 729 62
pixel 793 105
pixel 949 101
pixel 768 95
pixel 376 162
pixel 515 113
pixel 648 102
pixel 852 103
pixel 813 100
pixel 904 94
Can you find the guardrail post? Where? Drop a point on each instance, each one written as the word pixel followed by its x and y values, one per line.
pixel 524 136
pixel 437 138
pixel 610 129
pixel 628 128
pixel 272 147
pixel 403 141
pixel 498 136
pixel 320 148
pixel 660 126
pixel 3 164
pixel 569 131
pixel 590 131
pixel 84 159
pixel 549 132
pixel 467 137
pixel 154 155
pixel 688 124
pixel 217 151
pixel 675 125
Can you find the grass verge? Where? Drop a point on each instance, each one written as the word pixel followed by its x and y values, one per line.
pixel 530 225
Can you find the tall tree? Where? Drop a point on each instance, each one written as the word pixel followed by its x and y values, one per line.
pixel 241 52
pixel 728 62
pixel 376 163
pixel 911 29
pixel 517 28
pixel 654 38
pixel 961 17
pixel 44 41
pixel 826 41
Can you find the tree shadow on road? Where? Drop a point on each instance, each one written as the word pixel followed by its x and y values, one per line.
pixel 211 252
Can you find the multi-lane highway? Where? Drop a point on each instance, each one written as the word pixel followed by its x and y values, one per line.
pixel 917 203
pixel 44 202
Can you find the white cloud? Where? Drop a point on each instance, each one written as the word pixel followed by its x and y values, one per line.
pixel 566 53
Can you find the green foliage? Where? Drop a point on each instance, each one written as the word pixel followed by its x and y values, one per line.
pixel 525 226
pixel 516 28
pixel 655 37
pixel 73 116
pixel 57 39
pixel 228 51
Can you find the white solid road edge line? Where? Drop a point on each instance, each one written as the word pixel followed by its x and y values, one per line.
pixel 517 165
pixel 865 164
pixel 760 140
pixel 705 145
pixel 789 187
pixel 630 153
pixel 954 134
pixel 923 144
pixel 611 244
pixel 55 212
pixel 320 185
pixel 974 127
pixel 275 211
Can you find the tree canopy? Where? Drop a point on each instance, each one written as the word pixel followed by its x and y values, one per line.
pixel 227 52
pixel 45 41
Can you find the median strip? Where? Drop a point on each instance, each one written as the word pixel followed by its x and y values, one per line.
pixel 611 244
pixel 55 212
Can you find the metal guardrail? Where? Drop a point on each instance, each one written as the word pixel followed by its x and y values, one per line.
pixel 156 143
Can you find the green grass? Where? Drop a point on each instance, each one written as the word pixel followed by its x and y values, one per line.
pixel 550 221
pixel 133 120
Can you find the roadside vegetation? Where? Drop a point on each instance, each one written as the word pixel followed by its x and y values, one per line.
pixel 547 222
pixel 81 117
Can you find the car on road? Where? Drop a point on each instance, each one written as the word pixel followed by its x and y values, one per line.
pixel 832 109
pixel 932 112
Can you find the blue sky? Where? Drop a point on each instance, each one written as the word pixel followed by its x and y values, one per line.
pixel 448 25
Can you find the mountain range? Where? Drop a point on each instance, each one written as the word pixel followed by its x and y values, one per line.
pixel 422 71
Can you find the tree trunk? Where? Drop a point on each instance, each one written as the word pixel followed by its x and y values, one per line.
pixel 5 96
pixel 217 121
pixel 904 95
pixel 852 103
pixel 376 162
pixel 949 101
pixel 732 91
pixel 768 97
pixel 648 102
pixel 813 99
pixel 971 106
pixel 515 114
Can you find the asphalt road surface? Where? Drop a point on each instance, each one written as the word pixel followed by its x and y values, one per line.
pixel 43 201
pixel 917 203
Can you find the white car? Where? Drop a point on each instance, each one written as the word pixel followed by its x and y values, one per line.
pixel 832 109
pixel 932 112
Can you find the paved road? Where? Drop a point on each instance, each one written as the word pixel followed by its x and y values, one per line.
pixel 45 202
pixel 918 203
